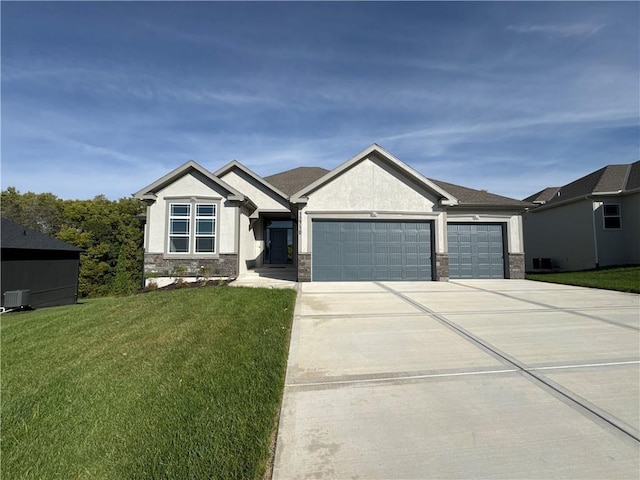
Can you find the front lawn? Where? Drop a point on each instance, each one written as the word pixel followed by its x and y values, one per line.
pixel 179 384
pixel 623 279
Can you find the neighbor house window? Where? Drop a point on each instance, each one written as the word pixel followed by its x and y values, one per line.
pixel 192 227
pixel 611 213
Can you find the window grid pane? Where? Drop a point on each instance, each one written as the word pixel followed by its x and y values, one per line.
pixel 611 216
pixel 184 239
pixel 205 241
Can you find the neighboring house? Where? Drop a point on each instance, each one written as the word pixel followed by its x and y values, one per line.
pixel 371 218
pixel 589 223
pixel 32 261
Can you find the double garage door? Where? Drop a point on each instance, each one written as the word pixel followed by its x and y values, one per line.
pixel 390 250
pixel 371 250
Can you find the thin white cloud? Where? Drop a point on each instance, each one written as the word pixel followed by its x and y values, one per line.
pixel 567 30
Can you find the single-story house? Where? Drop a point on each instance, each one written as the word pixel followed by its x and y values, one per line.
pixel 591 222
pixel 371 218
pixel 45 266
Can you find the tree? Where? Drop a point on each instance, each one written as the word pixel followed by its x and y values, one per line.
pixel 109 232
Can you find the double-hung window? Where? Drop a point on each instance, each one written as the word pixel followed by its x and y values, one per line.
pixel 611 214
pixel 192 227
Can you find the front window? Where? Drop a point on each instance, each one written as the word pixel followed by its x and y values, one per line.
pixel 611 214
pixel 192 227
pixel 179 223
pixel 205 228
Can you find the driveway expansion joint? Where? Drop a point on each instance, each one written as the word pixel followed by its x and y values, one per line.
pixel 571 398
pixel 573 311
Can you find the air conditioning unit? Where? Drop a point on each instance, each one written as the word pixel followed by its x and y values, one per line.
pixel 16 299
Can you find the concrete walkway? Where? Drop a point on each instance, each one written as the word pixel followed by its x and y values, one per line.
pixel 276 276
pixel 465 379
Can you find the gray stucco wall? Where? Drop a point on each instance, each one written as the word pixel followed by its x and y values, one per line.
pixel 564 234
pixel 631 227
pixel 619 246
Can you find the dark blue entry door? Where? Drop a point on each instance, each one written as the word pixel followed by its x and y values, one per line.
pixel 278 247
pixel 370 250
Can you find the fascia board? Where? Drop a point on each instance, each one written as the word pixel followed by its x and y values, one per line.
pixel 298 196
pixel 236 164
pixel 181 170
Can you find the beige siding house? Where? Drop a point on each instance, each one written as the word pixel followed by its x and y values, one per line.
pixel 589 223
pixel 371 218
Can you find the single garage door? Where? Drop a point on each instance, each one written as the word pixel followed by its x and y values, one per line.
pixel 370 250
pixel 475 250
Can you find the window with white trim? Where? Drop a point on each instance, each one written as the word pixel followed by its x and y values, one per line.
pixel 192 227
pixel 179 231
pixel 611 215
pixel 205 228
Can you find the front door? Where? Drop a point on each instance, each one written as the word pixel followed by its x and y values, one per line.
pixel 278 245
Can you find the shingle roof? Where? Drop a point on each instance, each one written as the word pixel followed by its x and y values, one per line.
pixel 13 235
pixel 291 181
pixel 469 196
pixel 542 196
pixel 612 179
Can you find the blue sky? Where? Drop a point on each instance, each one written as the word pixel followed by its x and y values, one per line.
pixel 105 97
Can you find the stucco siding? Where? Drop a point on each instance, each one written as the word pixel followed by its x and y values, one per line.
pixel 261 196
pixel 190 185
pixel 371 190
pixel 564 234
pixel 369 185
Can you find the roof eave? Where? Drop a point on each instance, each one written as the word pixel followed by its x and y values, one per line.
pixel 446 196
pixel 236 164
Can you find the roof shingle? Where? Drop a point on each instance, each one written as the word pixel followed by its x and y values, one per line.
pixel 294 180
pixel 13 235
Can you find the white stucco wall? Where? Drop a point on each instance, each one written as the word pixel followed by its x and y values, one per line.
pixel 369 186
pixel 262 197
pixel 190 185
pixel 370 191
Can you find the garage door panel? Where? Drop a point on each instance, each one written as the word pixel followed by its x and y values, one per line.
pixel 475 250
pixel 371 250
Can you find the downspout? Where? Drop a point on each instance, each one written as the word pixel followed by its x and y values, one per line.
pixel 595 233
pixel 238 217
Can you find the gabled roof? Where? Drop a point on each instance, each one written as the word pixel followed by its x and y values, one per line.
pixel 234 164
pixel 609 180
pixel 290 181
pixel 381 153
pixel 471 197
pixel 149 192
pixel 16 236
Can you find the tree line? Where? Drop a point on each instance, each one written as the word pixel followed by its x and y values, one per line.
pixel 109 232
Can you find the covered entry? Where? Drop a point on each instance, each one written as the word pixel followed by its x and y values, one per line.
pixel 352 250
pixel 476 250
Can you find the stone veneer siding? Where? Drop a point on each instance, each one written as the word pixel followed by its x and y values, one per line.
pixel 442 267
pixel 304 267
pixel 225 265
pixel 516 266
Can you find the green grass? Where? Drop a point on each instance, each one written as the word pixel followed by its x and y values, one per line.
pixel 181 384
pixel 623 279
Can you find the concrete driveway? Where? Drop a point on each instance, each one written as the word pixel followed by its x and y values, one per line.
pixel 465 379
